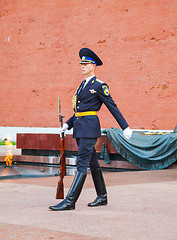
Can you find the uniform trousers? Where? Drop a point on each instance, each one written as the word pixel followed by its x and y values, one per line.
pixel 86 154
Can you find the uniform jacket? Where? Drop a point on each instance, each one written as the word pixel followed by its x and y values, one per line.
pixel 91 98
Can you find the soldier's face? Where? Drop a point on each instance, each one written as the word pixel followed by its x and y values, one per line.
pixel 87 69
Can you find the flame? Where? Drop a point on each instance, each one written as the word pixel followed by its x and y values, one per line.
pixel 9 155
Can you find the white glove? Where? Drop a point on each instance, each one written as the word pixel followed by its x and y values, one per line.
pixel 127 133
pixel 64 128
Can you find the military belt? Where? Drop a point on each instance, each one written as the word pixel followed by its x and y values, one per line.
pixel 88 113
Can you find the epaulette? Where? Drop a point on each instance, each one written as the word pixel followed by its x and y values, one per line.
pixel 99 81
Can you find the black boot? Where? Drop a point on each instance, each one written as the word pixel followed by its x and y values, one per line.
pixel 69 202
pixel 100 189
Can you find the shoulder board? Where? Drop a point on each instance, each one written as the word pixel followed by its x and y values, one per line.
pixel 99 81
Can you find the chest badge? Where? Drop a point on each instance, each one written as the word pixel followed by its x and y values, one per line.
pixel 92 91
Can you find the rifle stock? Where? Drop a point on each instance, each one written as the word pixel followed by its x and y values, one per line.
pixel 60 187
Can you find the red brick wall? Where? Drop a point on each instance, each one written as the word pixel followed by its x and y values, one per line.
pixel 39 44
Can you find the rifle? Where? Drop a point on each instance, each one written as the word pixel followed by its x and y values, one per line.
pixel 62 162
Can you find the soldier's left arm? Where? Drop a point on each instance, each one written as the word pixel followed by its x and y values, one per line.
pixel 105 97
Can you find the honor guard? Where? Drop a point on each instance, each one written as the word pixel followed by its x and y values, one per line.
pixel 87 101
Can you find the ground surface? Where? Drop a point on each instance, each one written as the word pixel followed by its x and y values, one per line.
pixel 142 205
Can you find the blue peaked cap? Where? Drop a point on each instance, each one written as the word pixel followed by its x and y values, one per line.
pixel 88 56
pixel 86 59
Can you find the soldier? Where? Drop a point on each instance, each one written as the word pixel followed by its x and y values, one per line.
pixel 88 99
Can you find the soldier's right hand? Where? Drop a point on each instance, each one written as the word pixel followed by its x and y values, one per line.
pixel 63 129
